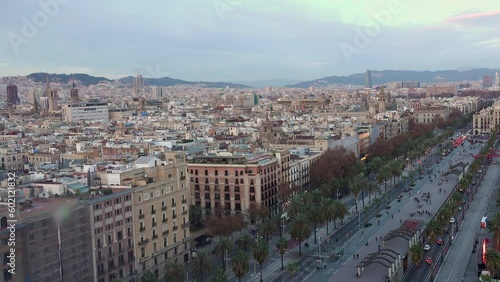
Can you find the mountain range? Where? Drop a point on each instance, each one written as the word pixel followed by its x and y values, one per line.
pixel 92 80
pixel 385 76
pixel 378 78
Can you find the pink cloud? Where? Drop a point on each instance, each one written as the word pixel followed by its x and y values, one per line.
pixel 473 16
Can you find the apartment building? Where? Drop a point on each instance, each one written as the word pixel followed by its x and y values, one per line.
pixel 36 160
pixel 11 160
pixel 161 219
pixel 112 237
pixel 429 114
pixel 484 121
pixel 234 182
pixel 52 243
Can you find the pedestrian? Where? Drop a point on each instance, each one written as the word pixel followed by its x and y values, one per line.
pixel 392 216
pixel 353 256
pixel 357 256
pixel 336 240
pixel 375 238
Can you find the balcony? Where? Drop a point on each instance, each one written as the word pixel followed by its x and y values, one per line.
pixel 174 216
pixel 100 259
pixel 184 201
pixel 164 208
pixel 120 251
pixel 164 220
pixel 101 272
pixel 153 224
pixel 112 266
pixel 155 236
pixel 153 212
pixel 184 212
pixel 183 177
pixel 122 263
pixel 141 216
pixel 173 204
pixel 185 225
pixel 165 232
pixel 131 259
pixel 143 242
pixel 175 228
pixel 142 229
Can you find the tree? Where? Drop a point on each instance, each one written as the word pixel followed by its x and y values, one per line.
pixel 315 215
pixel 118 280
pixel 260 252
pixel 292 267
pixel 257 213
pixel 222 246
pixel 219 276
pixel 433 229
pixel 224 225
pixel 356 188
pixel 201 263
pixel 493 262
pixel 296 206
pixel 240 265
pixel 284 192
pixel 300 229
pixel 175 271
pixel 267 228
pixel 282 246
pixel 416 254
pixel 245 241
pixel 149 276
pixel 377 202
pixel 495 229
pixel 195 214
pixel 329 211
pixel 340 210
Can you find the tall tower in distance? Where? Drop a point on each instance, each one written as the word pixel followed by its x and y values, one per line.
pixel 497 80
pixel 381 97
pixel 52 95
pixel 368 79
pixel 74 94
pixel 138 84
pixel 12 97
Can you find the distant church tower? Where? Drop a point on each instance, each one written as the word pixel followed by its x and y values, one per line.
pixel 34 102
pixel 74 94
pixel 53 98
pixel 381 100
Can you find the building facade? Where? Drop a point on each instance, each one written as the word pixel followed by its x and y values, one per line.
pixel 233 183
pixel 86 111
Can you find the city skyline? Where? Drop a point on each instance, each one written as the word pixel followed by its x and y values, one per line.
pixel 245 40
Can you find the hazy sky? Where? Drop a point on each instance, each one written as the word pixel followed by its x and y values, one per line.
pixel 234 40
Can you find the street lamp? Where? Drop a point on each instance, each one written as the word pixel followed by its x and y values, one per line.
pixel 283 217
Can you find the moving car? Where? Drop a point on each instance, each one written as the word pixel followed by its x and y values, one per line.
pixel 427 247
pixel 428 260
pixel 452 220
pixel 439 241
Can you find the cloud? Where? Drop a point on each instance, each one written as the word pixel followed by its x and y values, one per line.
pixel 473 16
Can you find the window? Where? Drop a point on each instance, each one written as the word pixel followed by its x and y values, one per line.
pixel 206 172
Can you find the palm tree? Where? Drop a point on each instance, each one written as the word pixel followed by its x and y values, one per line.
pixel 268 227
pixel 329 211
pixel 300 229
pixel 416 254
pixel 175 271
pixel 495 229
pixel 377 202
pixel 493 262
pixel 224 245
pixel 149 276
pixel 365 211
pixel 296 206
pixel 356 189
pixel 315 215
pixel 118 280
pixel 219 276
pixel 260 252
pixel 240 265
pixel 340 210
pixel 433 229
pixel 201 263
pixel 282 246
pixel 292 267
pixel 245 241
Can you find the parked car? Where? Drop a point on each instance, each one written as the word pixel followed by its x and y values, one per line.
pixel 427 247
pixel 452 220
pixel 439 241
